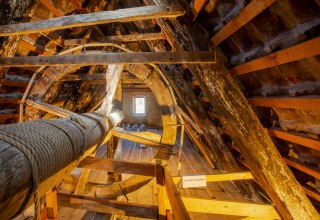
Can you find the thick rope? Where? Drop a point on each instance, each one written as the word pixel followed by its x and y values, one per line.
pixel 36 140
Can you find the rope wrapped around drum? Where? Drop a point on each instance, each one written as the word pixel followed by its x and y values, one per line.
pixel 42 149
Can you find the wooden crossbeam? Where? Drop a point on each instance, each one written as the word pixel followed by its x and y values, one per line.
pixel 295 138
pixel 104 17
pixel 307 103
pixel 108 206
pixel 60 112
pixel 222 177
pixel 254 8
pixel 52 205
pixel 81 77
pixel 198 5
pixel 220 207
pixel 8 116
pixel 49 5
pixel 33 48
pixel 13 83
pixel 111 58
pixel 118 166
pixel 301 51
pixel 116 38
pixel 315 172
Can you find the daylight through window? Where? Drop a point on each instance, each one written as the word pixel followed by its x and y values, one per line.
pixel 139 105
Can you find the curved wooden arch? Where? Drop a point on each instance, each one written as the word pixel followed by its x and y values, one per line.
pixel 151 78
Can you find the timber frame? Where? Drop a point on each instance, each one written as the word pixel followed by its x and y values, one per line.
pixel 173 54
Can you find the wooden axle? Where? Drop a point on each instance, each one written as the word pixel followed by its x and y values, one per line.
pixel 16 172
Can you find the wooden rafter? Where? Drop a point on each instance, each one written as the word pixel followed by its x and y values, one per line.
pixel 295 138
pixel 8 116
pixel 13 83
pixel 307 103
pixel 254 8
pixel 9 101
pixel 60 112
pixel 301 51
pixel 116 38
pixel 49 5
pixel 111 58
pixel 315 172
pixel 123 15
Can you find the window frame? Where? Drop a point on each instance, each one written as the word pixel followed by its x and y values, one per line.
pixel 134 105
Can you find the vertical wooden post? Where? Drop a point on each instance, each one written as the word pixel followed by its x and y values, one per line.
pixel 160 191
pixel 52 205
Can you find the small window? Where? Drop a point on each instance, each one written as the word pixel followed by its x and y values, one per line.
pixel 139 106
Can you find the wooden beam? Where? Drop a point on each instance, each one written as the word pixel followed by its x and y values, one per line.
pixel 254 8
pixel 220 207
pixel 108 206
pixel 180 211
pixel 12 83
pixel 222 177
pixel 115 39
pixel 145 137
pixel 198 5
pixel 52 205
pixel 34 48
pixel 160 192
pixel 307 103
pixel 301 51
pixel 315 172
pixel 104 17
pixel 49 5
pixel 81 77
pixel 60 112
pixel 295 138
pixel 111 58
pixel 118 166
pixel 311 193
pixel 8 116
pixel 9 101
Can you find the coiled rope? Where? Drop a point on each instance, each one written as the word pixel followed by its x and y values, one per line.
pixel 49 146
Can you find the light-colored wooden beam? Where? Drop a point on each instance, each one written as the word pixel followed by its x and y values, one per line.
pixel 197 6
pixel 174 198
pixel 111 58
pixel 229 208
pixel 108 206
pixel 295 138
pixel 104 17
pixel 315 172
pixel 222 177
pixel 52 205
pixel 117 38
pixel 50 6
pixel 307 103
pixel 300 51
pixel 33 48
pixel 254 8
pixel 60 112
pixel 160 192
pixel 118 166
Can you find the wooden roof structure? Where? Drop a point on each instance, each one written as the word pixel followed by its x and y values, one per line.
pixel 240 78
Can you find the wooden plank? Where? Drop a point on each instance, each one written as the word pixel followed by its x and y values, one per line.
pixel 108 206
pixel 315 172
pixel 49 5
pixel 198 5
pixel 188 119
pixel 115 39
pixel 111 58
pixel 81 77
pixel 118 166
pixel 104 17
pixel 311 193
pixel 222 177
pixel 180 211
pixel 254 8
pixel 295 138
pixel 12 83
pixel 8 116
pixel 307 103
pixel 301 51
pixel 160 192
pixel 27 45
pixel 49 108
pixel 229 208
pixel 9 101
pixel 52 205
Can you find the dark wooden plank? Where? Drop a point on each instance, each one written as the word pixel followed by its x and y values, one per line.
pixel 104 17
pixel 315 172
pixel 6 82
pixel 7 116
pixel 9 101
pixel 179 211
pixel 108 206
pixel 111 58
pixel 254 8
pixel 118 166
pixel 301 51
pixel 116 38
pixel 307 103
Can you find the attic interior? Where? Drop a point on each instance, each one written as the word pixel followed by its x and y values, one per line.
pixel 158 109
